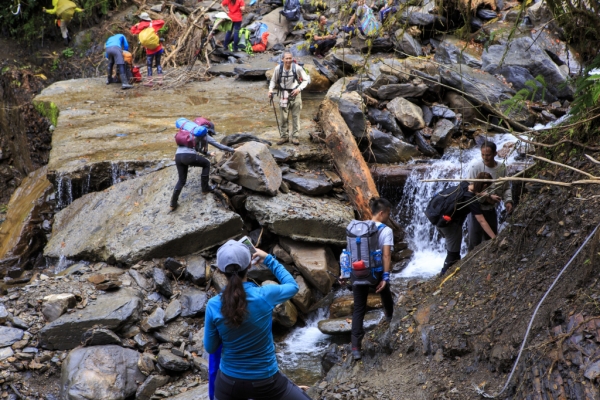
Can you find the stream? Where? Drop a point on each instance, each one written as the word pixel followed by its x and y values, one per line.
pixel 300 352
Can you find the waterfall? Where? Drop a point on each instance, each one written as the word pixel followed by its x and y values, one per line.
pixel 422 237
pixel 63 184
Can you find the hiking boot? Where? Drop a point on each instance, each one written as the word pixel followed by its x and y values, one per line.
pixel 148 82
pixel 295 142
pixel 356 354
pixel 174 199
pixel 160 79
pixel 444 270
pixel 123 75
pixel 206 188
pixel 283 141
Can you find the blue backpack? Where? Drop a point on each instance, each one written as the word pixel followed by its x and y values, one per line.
pixel 187 125
pixel 258 32
pixel 291 10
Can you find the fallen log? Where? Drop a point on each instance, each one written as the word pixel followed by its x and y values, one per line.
pixel 349 162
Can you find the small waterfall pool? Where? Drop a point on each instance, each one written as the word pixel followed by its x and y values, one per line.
pixel 300 352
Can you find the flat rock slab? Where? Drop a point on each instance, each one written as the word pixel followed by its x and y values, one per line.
pixel 100 372
pixel 130 222
pixel 301 217
pixel 108 131
pixel 338 326
pixel 113 311
pixel 9 336
pixel 198 393
pixel 311 184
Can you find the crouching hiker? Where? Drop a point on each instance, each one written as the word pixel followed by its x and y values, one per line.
pixel 240 320
pixel 370 245
pixel 194 137
pixel 449 209
pixel 115 45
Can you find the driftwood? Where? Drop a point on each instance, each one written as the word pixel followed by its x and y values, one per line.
pixel 349 162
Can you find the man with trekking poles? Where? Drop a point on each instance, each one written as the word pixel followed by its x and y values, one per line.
pixel 289 79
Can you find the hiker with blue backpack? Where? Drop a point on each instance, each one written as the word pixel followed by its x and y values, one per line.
pixel 369 253
pixel 194 137
pixel 234 10
pixel 368 25
pixel 449 209
pixel 289 79
pixel 322 41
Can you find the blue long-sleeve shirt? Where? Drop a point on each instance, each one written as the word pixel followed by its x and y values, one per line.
pixel 249 350
pixel 117 40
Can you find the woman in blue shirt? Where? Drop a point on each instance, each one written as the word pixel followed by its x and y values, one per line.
pixel 240 320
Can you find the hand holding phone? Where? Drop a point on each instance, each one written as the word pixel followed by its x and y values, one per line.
pixel 259 256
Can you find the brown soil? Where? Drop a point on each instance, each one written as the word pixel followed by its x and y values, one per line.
pixel 443 343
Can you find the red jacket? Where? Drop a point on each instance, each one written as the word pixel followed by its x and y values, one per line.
pixel 156 25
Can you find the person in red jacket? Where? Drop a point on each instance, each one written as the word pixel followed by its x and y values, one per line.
pixel 234 9
pixel 152 55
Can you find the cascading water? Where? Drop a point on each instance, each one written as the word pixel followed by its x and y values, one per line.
pixel 422 237
pixel 63 199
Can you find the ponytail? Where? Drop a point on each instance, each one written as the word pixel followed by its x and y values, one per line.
pixel 233 299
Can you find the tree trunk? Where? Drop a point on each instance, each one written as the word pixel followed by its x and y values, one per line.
pixel 351 166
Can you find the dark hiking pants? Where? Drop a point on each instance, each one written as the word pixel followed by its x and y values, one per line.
pixel 186 160
pixel 361 292
pixel 277 387
pixel 476 232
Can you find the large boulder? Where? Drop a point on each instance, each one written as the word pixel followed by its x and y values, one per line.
pixel 302 299
pixel 308 183
pixel 347 59
pixel 343 325
pixel 344 305
pixel 278 27
pixel 407 45
pixel 388 92
pixel 116 311
pixel 459 104
pixel 318 81
pixel 9 336
pixel 336 90
pixel 384 148
pixel 442 133
pixel 351 109
pixel 518 77
pixel 316 263
pixel 302 217
pixel 193 302
pixel 129 222
pixel 384 120
pixel 408 114
pixel 524 52
pixel 481 86
pixel 285 314
pixel 100 372
pixel 253 167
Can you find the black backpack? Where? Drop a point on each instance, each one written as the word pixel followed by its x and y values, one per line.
pixel 445 203
pixel 291 10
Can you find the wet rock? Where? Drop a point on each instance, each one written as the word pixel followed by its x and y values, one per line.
pixel 100 372
pixel 278 28
pixel 253 167
pixel 344 305
pixel 154 321
pixel 147 389
pixel 385 120
pixel 302 299
pixel 114 311
pixel 285 313
pixel 307 183
pixel 196 269
pixel 316 263
pixel 517 76
pixel 5 353
pixel 481 86
pixel 455 51
pixel 175 266
pixel 385 148
pixel 302 217
pixel 127 223
pixel 20 235
pixel 141 281
pixel 56 305
pixel 351 109
pixel 238 138
pixel 442 133
pixel 146 363
pixel 282 255
pixel 338 326
pixel 525 53
pixel 459 104
pixel 406 44
pixel 173 310
pixel 9 336
pixel 408 114
pixel 193 302
pixel 100 337
pixel 3 314
pixel 162 282
pixel 171 362
pixel 442 111
pixel 389 92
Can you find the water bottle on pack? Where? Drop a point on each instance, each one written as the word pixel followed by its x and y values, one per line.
pixel 378 258
pixel 345 264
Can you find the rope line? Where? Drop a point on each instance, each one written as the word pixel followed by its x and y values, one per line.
pixel 490 396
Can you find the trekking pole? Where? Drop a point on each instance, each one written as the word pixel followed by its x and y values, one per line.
pixel 275 111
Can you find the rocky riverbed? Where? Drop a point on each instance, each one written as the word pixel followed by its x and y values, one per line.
pixel 104 289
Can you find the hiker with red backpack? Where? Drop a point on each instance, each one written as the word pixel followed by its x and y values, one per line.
pixel 234 10
pixel 289 79
pixel 147 30
pixel 194 137
pixel 369 249
pixel 115 46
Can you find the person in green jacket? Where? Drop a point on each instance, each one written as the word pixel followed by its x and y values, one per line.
pixel 64 11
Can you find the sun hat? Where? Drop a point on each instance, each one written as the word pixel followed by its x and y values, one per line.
pixel 145 16
pixel 233 253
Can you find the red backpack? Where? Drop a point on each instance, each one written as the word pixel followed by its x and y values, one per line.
pixel 137 76
pixel 185 138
